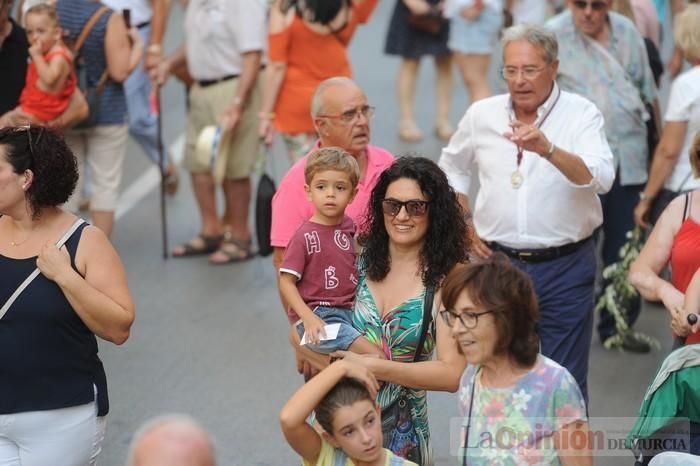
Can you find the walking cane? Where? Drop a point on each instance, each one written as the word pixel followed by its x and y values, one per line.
pixel 161 159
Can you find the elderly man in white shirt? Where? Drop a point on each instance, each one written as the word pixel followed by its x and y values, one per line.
pixel 542 159
pixel 224 45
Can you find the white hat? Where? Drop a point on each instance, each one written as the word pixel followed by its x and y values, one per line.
pixel 209 150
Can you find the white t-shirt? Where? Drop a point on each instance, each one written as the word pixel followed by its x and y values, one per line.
pixel 141 11
pixel 684 105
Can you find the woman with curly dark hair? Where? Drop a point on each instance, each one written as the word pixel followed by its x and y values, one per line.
pixel 414 235
pixel 62 284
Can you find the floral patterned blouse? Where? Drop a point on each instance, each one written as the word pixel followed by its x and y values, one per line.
pixel 516 425
pixel 397 332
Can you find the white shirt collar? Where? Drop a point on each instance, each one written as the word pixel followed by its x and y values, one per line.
pixel 542 109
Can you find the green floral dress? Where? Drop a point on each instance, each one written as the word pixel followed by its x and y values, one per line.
pixel 397 333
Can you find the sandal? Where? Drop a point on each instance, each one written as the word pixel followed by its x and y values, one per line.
pixel 232 250
pixel 199 246
pixel 444 130
pixel 409 132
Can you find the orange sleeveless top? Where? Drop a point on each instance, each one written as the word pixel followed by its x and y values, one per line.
pixel 311 58
pixel 44 105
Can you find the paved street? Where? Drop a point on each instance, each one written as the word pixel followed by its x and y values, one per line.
pixel 211 341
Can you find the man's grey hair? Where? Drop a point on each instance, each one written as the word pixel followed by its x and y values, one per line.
pixel 537 35
pixel 181 423
pixel 316 104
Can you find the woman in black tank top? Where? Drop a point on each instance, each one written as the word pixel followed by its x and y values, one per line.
pixel 49 368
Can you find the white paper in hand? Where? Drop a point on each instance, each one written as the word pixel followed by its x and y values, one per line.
pixel 331 334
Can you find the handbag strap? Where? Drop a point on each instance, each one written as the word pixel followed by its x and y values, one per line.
pixel 469 417
pixel 35 272
pixel 428 299
pixel 82 37
pixel 87 29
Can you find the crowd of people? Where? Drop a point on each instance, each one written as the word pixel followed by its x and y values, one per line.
pixel 393 281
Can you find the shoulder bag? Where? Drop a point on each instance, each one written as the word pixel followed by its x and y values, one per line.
pixel 33 275
pixel 263 206
pixel 399 431
pixel 92 93
pixel 430 23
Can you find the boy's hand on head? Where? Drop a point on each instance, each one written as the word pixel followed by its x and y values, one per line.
pixel 315 328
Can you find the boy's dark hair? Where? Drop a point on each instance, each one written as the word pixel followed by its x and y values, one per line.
pixel 332 158
pixel 346 392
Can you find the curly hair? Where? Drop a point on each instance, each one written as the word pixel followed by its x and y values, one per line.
pixel 445 242
pixel 496 284
pixel 44 152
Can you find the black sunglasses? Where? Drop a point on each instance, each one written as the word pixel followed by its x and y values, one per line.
pixel 595 6
pixel 414 207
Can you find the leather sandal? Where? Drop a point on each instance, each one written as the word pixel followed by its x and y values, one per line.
pixel 232 250
pixel 198 246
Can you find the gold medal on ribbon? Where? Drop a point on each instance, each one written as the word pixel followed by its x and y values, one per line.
pixel 516 179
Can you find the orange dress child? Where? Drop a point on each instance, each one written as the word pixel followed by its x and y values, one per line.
pixel 43 105
pixel 311 58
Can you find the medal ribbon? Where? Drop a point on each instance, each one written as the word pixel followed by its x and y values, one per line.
pixel 538 125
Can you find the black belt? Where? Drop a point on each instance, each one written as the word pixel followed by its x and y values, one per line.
pixel 143 25
pixel 539 255
pixel 211 82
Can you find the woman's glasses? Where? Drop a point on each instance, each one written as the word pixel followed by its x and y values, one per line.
pixel 467 319
pixel 414 207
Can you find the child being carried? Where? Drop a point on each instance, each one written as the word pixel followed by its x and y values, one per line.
pixel 50 77
pixel 318 275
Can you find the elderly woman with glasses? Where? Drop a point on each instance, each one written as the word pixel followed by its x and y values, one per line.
pixel 516 404
pixel 62 285
pixel 414 234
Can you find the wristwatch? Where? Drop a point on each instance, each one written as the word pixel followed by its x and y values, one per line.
pixel 643 196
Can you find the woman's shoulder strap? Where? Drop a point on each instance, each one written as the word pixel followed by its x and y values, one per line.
pixel 686 207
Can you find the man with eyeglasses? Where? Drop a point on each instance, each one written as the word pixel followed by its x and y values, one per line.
pixel 542 159
pixel 341 115
pixel 603 58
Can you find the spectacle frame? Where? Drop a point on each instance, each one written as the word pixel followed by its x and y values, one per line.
pixel 595 6
pixel 349 116
pixel 468 320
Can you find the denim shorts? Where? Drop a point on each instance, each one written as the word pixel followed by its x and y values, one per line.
pixel 346 334
pixel 478 37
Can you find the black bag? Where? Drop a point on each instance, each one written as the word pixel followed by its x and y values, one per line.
pixel 263 214
pixel 431 23
pixel 397 422
pixel 91 92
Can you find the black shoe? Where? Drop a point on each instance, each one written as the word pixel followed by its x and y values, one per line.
pixel 631 343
